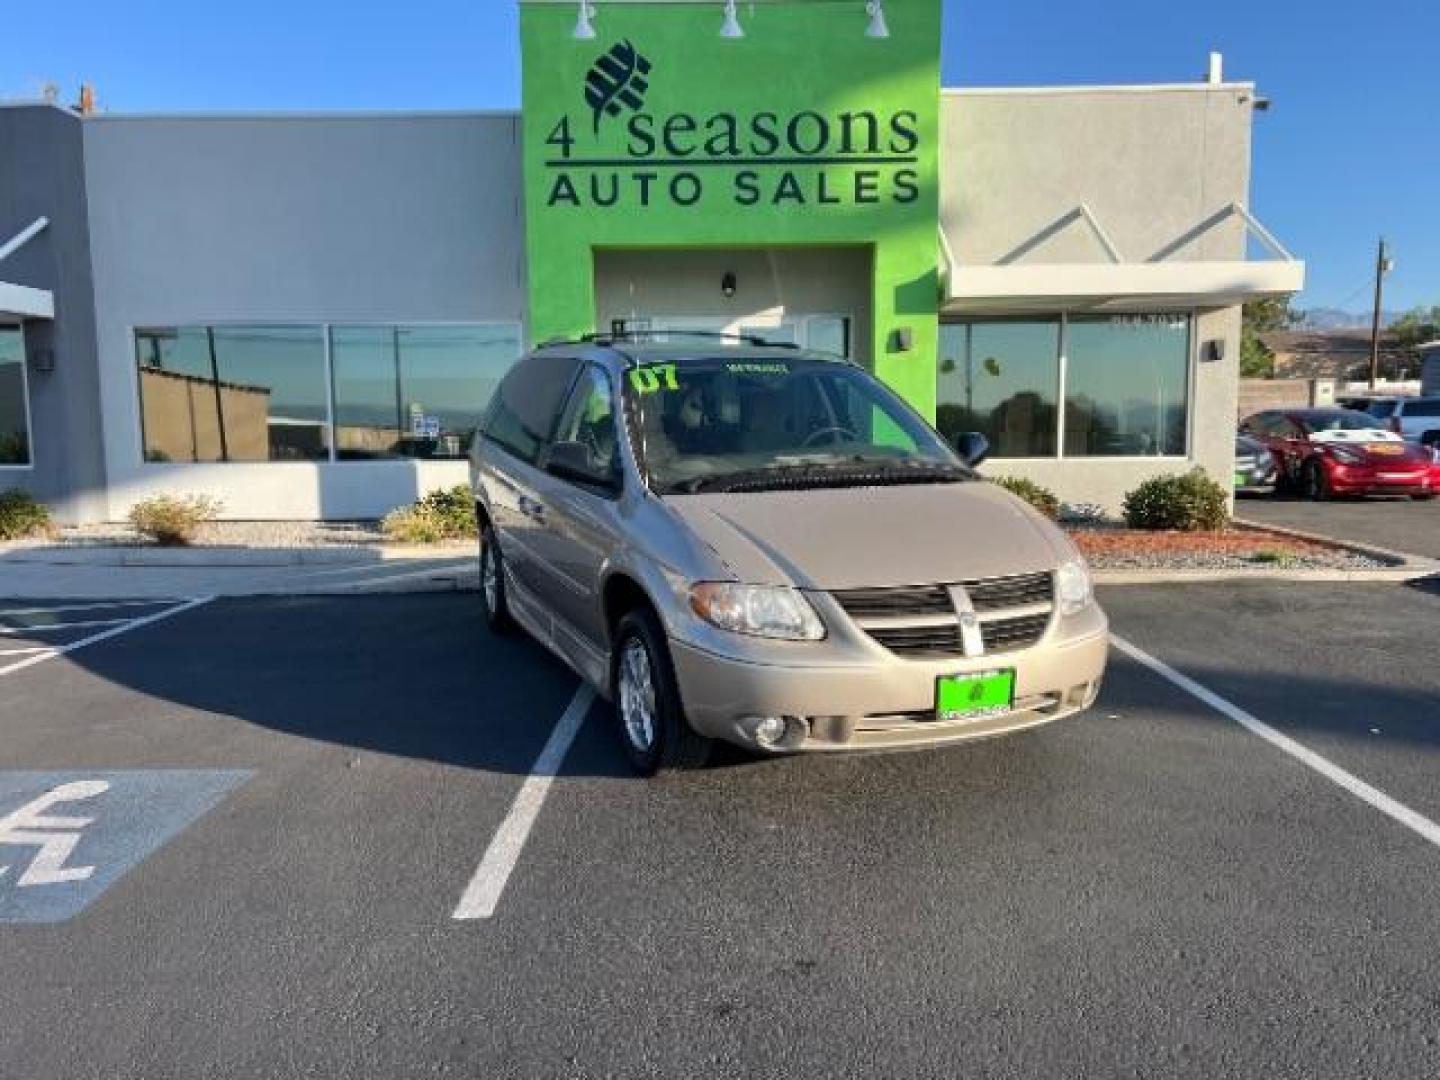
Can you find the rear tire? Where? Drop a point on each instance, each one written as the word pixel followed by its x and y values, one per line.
pixel 653 730
pixel 492 583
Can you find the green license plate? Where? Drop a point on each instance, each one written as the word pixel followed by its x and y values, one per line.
pixel 974 696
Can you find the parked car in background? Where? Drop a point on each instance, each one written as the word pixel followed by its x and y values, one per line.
pixel 1413 418
pixel 1254 465
pixel 1330 452
pixel 768 546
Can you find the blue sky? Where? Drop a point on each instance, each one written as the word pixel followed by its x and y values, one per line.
pixel 1350 148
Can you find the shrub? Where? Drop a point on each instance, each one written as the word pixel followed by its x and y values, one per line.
pixel 443 514
pixel 1187 502
pixel 1041 498
pixel 173 520
pixel 21 516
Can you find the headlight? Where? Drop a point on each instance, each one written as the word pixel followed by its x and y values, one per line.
pixel 769 611
pixel 1348 456
pixel 1264 461
pixel 1072 586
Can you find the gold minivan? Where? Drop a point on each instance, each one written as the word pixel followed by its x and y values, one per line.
pixel 740 541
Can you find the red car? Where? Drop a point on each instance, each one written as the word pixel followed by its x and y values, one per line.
pixel 1326 453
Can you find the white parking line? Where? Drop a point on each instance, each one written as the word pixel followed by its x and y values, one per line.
pixel 114 631
pixel 59 626
pixel 1416 822
pixel 88 607
pixel 482 895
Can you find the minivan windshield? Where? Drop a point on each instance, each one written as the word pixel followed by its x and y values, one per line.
pixel 773 423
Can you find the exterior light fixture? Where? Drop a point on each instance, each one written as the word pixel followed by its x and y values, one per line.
pixel 728 284
pixel 731 27
pixel 584 29
pixel 877 28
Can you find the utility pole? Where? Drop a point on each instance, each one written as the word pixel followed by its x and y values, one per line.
pixel 1382 267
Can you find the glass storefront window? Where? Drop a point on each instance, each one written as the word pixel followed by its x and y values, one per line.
pixel 233 393
pixel 1000 379
pixel 415 391
pixel 14 416
pixel 1127 385
pixel 259 393
pixel 1127 382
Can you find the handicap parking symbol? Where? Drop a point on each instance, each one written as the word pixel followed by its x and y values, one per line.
pixel 67 837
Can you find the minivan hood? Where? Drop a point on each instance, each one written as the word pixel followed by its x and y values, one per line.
pixel 845 538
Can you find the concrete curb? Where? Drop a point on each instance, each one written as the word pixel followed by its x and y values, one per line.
pixel 201 557
pixel 1180 577
pixel 1404 558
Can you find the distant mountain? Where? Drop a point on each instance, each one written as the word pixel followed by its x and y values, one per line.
pixel 1335 319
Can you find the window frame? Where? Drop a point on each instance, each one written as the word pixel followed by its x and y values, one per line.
pixel 24 400
pixel 543 441
pixel 1062 378
pixel 571 401
pixel 326 328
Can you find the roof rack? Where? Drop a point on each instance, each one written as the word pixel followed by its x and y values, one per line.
pixel 612 336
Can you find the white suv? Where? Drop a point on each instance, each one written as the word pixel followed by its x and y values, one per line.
pixel 1414 419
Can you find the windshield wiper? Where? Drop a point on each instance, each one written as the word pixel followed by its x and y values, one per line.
pixel 847 474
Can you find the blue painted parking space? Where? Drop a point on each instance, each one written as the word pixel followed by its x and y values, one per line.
pixel 66 837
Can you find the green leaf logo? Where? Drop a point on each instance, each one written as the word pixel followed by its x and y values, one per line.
pixel 616 81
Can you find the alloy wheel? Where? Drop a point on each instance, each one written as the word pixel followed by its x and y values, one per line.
pixel 637 696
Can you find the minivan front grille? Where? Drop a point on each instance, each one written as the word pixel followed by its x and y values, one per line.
pixel 995 594
pixel 1008 635
pixel 904 600
pixel 921 622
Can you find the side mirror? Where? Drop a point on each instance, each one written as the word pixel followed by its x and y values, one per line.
pixel 972 447
pixel 572 461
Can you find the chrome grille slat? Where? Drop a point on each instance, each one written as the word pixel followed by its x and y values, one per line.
pixel 920 622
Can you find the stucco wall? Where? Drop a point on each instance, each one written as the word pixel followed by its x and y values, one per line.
pixel 309 219
pixel 1152 163
pixel 42 175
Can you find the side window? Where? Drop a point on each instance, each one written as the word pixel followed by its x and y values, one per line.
pixel 526 404
pixel 1382 409
pixel 1424 407
pixel 589 419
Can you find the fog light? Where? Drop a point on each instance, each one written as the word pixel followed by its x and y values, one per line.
pixel 768 730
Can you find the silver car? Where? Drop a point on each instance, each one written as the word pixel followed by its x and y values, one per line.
pixel 766 546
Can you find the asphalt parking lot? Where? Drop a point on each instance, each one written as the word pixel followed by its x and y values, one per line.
pixel 1397 524
pixel 280 804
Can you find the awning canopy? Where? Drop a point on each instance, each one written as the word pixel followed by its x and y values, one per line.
pixel 22 301
pixel 1159 284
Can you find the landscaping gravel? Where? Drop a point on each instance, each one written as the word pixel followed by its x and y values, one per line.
pixel 250 534
pixel 1116 548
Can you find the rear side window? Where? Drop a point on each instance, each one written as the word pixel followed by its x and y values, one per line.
pixel 1381 409
pixel 527 404
pixel 1427 407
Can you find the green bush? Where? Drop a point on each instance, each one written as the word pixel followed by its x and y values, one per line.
pixel 1041 498
pixel 442 515
pixel 173 520
pixel 21 516
pixel 1186 502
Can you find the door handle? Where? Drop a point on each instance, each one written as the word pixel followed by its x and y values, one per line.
pixel 531 508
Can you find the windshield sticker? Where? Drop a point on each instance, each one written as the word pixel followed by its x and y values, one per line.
pixel 654 377
pixel 753 368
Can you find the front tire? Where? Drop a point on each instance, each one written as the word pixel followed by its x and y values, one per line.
pixel 1316 483
pixel 654 733
pixel 492 583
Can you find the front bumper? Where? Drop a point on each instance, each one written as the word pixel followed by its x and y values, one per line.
pixel 863 698
pixel 1370 480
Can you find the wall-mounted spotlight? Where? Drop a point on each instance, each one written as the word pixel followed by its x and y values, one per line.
pixel 584 29
pixel 731 27
pixel 728 284
pixel 877 28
